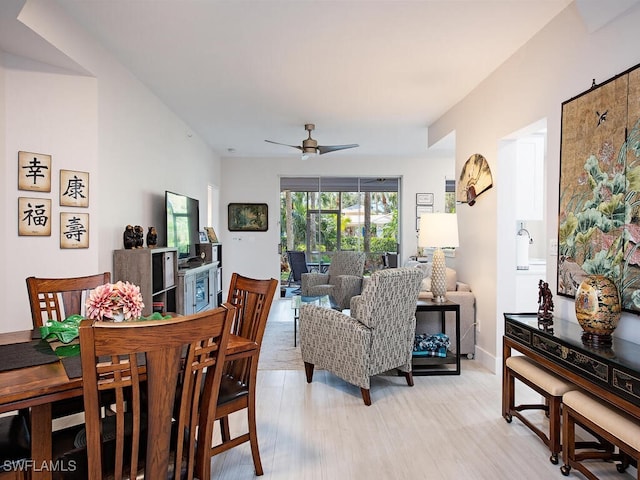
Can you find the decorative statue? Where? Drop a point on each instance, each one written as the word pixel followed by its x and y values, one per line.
pixel 152 237
pixel 139 236
pixel 129 237
pixel 545 305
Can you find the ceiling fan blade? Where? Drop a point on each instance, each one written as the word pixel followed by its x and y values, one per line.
pixel 332 148
pixel 285 144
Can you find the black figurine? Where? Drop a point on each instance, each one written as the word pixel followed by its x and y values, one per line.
pixel 129 237
pixel 545 306
pixel 139 236
pixel 152 237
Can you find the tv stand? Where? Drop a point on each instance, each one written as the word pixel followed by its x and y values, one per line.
pixel 192 263
pixel 197 287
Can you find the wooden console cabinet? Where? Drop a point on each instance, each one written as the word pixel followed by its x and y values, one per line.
pixel 612 374
pixel 154 270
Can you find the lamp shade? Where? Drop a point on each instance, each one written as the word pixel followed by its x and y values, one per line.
pixel 438 230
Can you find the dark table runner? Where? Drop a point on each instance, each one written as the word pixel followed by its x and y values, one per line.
pixel 73 366
pixel 27 354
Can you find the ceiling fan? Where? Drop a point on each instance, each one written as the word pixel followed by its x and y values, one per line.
pixel 310 146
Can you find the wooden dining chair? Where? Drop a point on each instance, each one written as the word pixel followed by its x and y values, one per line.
pixel 252 299
pixel 143 361
pixel 59 298
pixel 15 448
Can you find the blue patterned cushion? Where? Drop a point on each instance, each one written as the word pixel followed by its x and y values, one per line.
pixel 431 345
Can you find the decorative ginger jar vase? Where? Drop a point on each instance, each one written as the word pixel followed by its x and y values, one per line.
pixel 597 309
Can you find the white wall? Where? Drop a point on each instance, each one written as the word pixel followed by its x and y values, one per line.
pixel 6 273
pixel 557 64
pixel 258 180
pixel 110 125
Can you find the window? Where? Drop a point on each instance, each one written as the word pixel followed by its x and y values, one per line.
pixel 321 215
pixel 449 196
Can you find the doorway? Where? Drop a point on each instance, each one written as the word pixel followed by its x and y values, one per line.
pixel 522 157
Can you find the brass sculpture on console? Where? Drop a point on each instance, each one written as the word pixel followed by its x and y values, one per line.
pixel 545 307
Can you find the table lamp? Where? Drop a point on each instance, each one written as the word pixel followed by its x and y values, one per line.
pixel 439 230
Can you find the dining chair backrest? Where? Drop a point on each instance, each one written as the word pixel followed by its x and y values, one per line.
pixel 252 299
pixel 59 298
pixel 119 357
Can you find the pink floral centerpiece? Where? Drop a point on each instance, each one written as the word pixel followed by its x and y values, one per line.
pixel 116 301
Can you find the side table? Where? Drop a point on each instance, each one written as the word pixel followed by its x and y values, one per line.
pixel 423 365
pixel 324 301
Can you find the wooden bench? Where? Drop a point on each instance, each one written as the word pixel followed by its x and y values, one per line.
pixel 612 425
pixel 547 384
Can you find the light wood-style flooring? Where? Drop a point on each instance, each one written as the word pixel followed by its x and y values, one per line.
pixel 445 427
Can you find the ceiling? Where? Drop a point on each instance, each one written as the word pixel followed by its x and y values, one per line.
pixel 372 72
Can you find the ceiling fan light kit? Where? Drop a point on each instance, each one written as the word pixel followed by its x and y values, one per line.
pixel 310 146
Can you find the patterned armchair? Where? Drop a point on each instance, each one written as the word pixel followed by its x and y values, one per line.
pixel 377 337
pixel 342 281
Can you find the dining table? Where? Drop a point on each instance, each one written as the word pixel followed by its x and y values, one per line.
pixel 32 381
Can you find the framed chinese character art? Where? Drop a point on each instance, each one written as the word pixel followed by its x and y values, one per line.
pixel 74 188
pixel 34 172
pixel 34 216
pixel 74 230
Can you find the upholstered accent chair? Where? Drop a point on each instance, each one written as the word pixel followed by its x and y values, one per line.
pixel 377 337
pixel 342 281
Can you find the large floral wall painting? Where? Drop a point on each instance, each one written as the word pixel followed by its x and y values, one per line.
pixel 475 179
pixel 599 214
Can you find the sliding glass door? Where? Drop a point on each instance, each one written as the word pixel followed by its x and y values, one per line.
pixel 321 215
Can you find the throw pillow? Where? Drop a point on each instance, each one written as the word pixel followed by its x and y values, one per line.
pixel 451 279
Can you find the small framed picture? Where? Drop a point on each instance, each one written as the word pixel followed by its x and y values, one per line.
pixel 74 188
pixel 211 233
pixel 248 217
pixel 420 209
pixel 74 230
pixel 203 237
pixel 424 198
pixel 34 172
pixel 34 217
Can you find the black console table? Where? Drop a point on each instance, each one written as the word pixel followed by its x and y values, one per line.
pixel 612 374
pixel 430 365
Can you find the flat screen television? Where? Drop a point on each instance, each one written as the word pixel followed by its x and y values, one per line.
pixel 182 221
